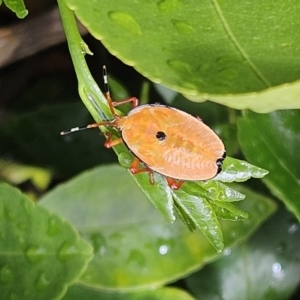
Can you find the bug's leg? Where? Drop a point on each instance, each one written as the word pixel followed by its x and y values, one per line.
pixel 134 169
pixel 110 142
pixel 111 103
pixel 134 100
pixel 173 184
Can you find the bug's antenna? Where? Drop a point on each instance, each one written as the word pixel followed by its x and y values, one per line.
pixel 94 125
pixel 107 93
pixel 105 79
pixel 74 129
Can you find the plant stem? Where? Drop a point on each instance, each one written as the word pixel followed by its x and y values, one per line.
pixel 89 91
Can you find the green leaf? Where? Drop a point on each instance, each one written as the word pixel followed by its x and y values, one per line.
pixel 17 174
pixel 134 246
pixel 159 194
pixel 17 6
pixel 272 141
pixel 265 267
pixel 217 191
pixel 239 171
pixel 82 292
pixel 228 211
pixel 40 253
pixel 200 212
pixel 206 49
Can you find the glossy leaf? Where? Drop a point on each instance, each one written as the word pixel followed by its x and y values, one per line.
pixel 40 253
pixel 200 212
pixel 272 142
pixel 134 246
pixel 161 196
pixel 217 191
pixel 16 6
pixel 265 267
pixel 228 211
pixel 239 171
pixel 205 49
pixel 81 292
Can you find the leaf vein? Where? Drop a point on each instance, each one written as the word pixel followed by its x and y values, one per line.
pixel 239 47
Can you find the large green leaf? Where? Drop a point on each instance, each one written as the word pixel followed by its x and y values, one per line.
pixel 134 246
pixel 264 268
pixel 272 142
pixel 206 49
pixel 82 292
pixel 40 254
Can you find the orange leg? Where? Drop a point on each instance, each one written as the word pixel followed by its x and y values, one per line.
pixel 173 184
pixel 134 169
pixel 134 100
pixel 111 103
pixel 110 142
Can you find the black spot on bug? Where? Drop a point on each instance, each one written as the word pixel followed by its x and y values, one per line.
pixel 224 155
pixel 161 135
pixel 220 161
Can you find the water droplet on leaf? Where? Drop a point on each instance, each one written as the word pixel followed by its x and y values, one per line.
pixel 167 6
pixel 99 243
pixel 137 258
pixel 183 27
pixel 53 226
pixel 36 253
pixel 293 228
pixel 67 251
pixel 163 249
pixel 42 282
pixel 227 251
pixel 126 21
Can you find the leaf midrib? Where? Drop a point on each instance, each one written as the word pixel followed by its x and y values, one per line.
pixel 238 46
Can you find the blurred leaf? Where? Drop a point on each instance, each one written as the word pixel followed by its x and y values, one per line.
pixel 40 253
pixel 247 50
pixel 272 142
pixel 34 138
pixel 265 267
pixel 239 171
pixel 16 6
pixel 16 174
pixel 82 292
pixel 134 247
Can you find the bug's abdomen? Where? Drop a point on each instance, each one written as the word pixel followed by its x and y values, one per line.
pixel 192 161
pixel 172 142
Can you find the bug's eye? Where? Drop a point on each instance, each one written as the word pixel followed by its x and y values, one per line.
pixel 160 135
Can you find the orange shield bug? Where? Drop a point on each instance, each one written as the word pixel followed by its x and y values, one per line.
pixel 166 140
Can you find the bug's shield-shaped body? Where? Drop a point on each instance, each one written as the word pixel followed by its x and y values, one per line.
pixel 172 142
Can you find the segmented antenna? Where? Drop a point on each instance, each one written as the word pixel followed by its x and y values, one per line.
pixel 94 125
pixel 105 79
pixel 107 95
